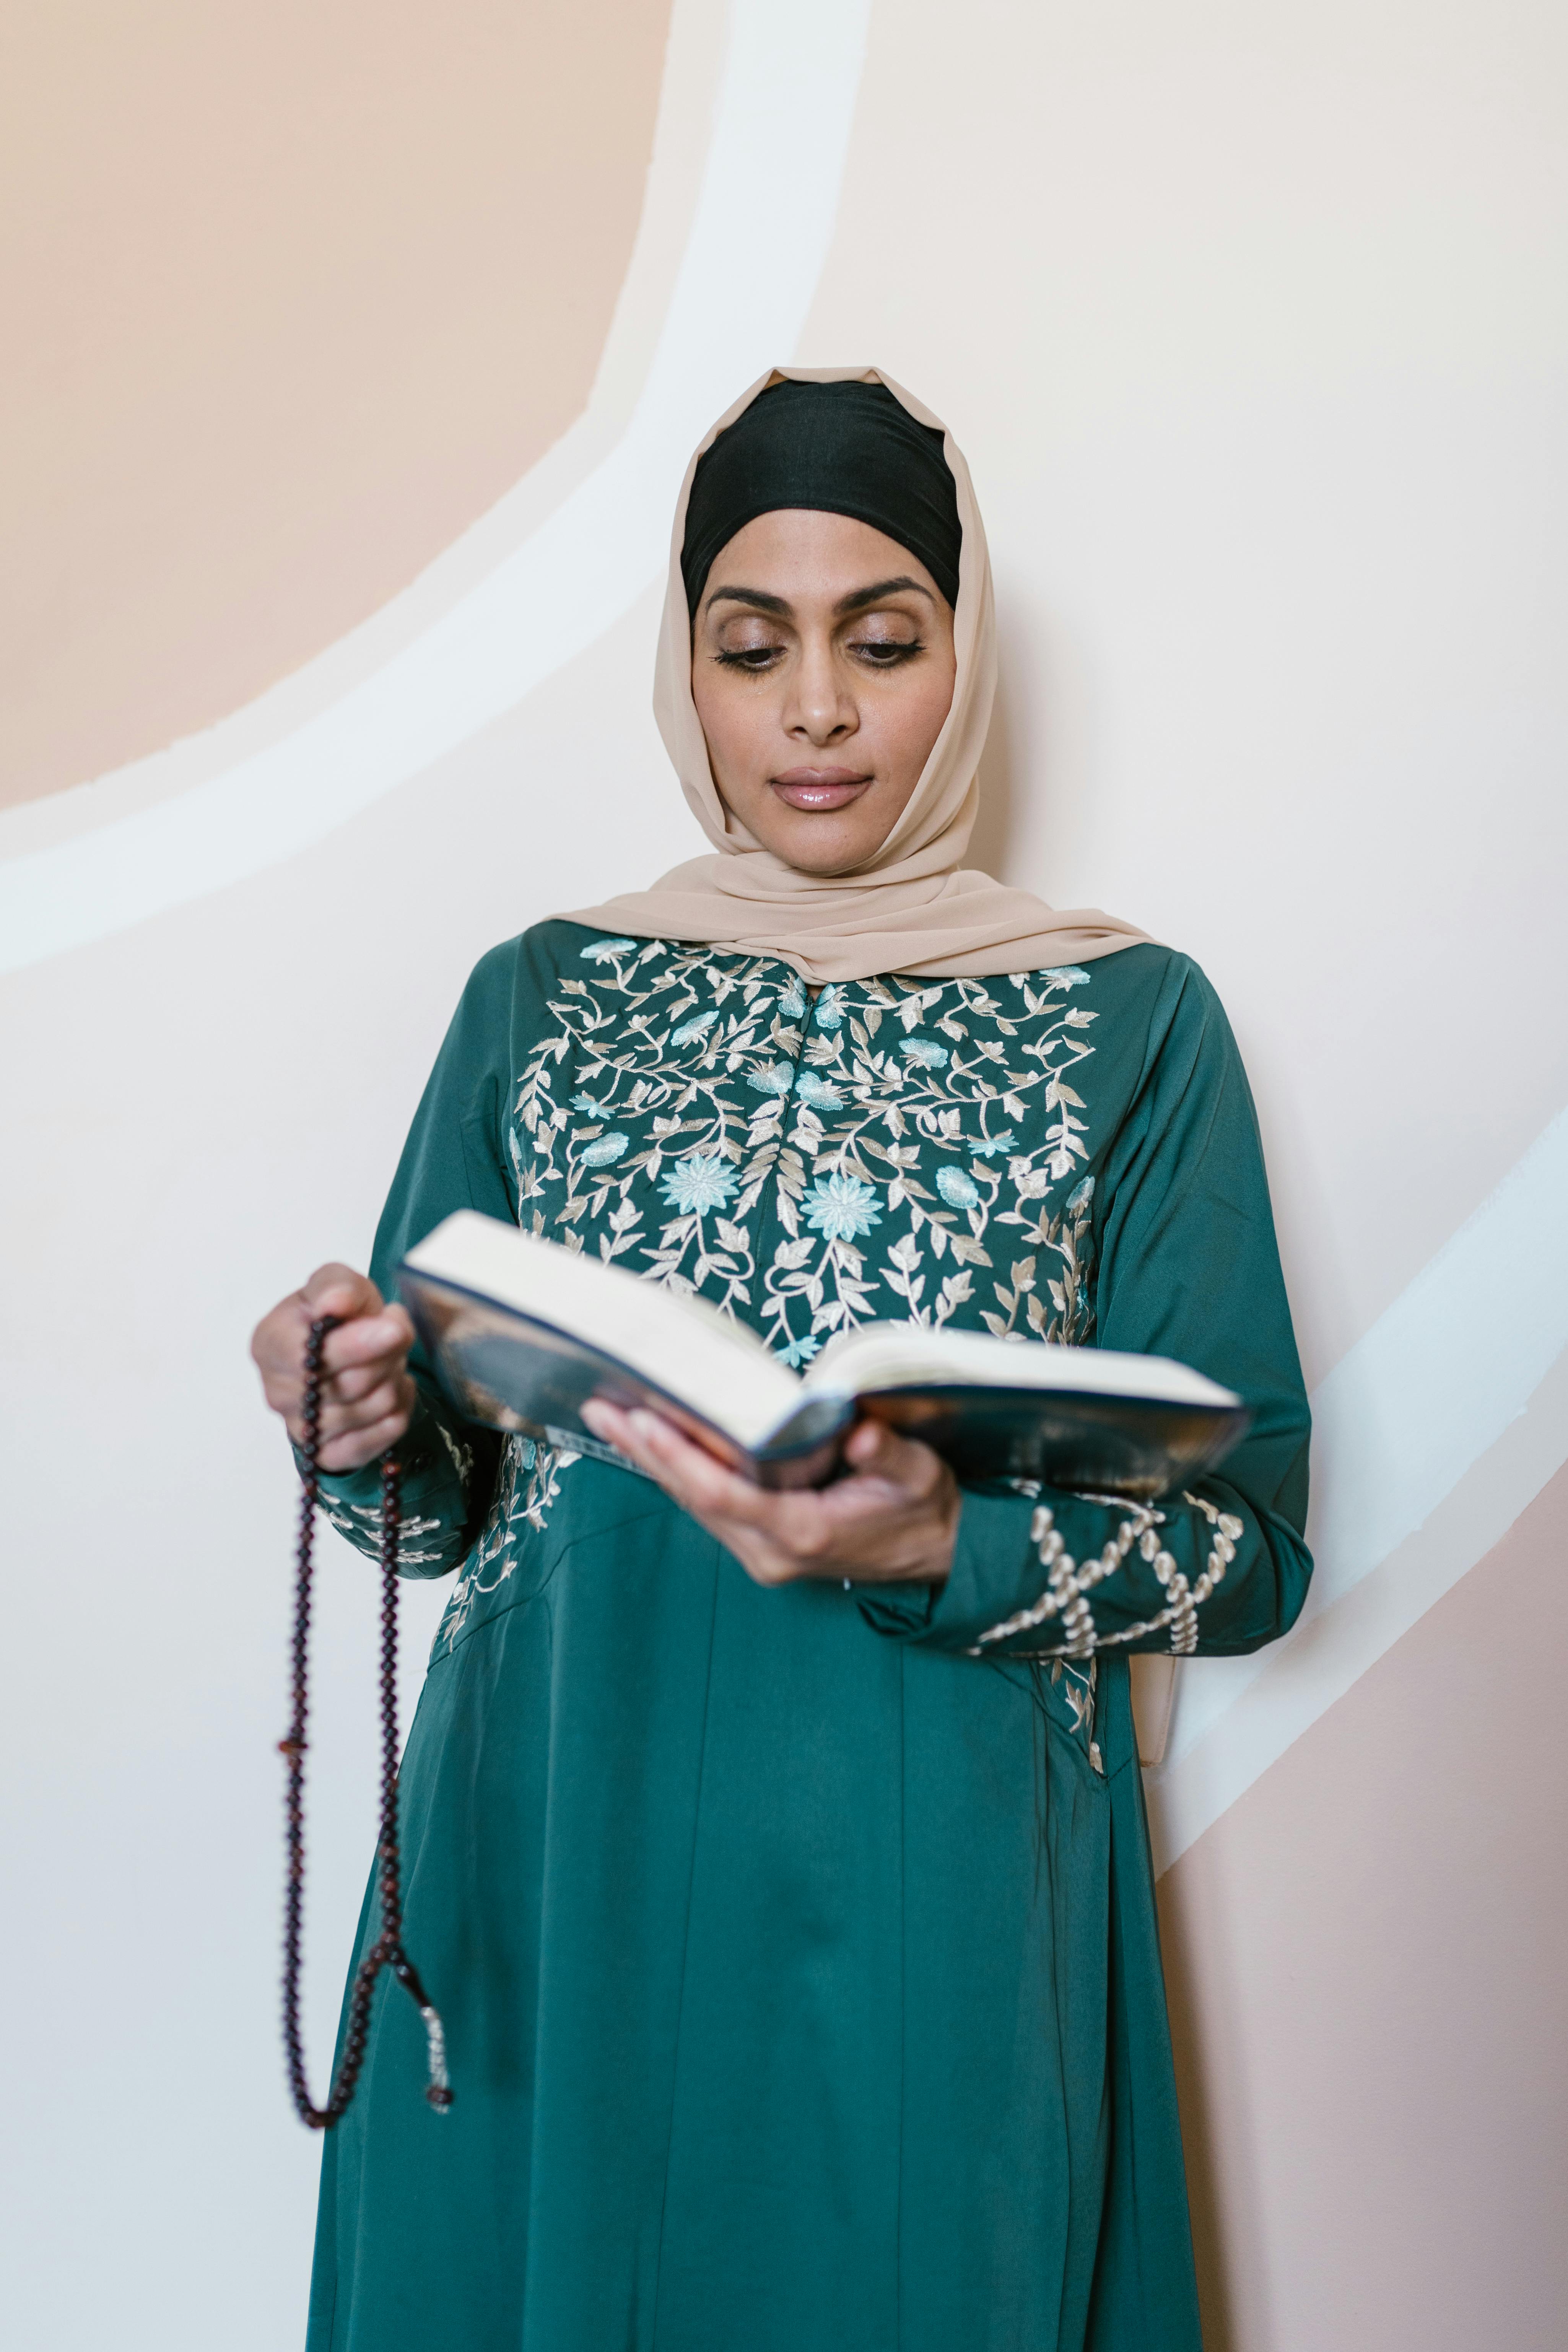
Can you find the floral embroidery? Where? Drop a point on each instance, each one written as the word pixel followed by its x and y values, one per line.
pixel 360 1522
pixel 1079 1685
pixel 605 1151
pixel 703 1180
pixel 893 1149
pixel 842 1207
pixel 521 1501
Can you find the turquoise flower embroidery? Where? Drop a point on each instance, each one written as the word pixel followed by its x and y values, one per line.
pixel 702 1180
pixel 694 1027
pixel 601 951
pixel 591 1107
pixel 958 1189
pixel 791 1004
pixel 829 1013
pixel 820 1093
pixel 1083 1196
pixel 602 1152
pixel 775 1081
pixel 924 1050
pixel 800 1351
pixel 990 1145
pixel 1066 975
pixel 842 1207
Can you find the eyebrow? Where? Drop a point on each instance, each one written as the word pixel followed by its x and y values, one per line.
pixel 757 596
pixel 856 602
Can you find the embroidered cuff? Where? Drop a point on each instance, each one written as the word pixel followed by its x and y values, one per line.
pixel 992 1565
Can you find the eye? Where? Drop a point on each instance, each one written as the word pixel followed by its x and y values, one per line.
pixel 886 652
pixel 748 658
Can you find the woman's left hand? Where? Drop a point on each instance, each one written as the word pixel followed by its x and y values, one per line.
pixel 894 1521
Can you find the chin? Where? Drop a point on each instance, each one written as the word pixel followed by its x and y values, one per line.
pixel 812 855
pixel 823 866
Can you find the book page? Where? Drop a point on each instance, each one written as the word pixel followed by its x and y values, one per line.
pixel 902 1355
pixel 679 1344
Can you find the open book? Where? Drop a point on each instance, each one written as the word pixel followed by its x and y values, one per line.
pixel 522 1332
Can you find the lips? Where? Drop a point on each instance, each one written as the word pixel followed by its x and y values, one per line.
pixel 820 789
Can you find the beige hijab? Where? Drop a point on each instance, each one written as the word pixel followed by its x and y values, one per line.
pixel 912 907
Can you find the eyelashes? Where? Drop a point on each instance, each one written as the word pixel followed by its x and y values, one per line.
pixel 748 658
pixel 888 654
pixel 876 652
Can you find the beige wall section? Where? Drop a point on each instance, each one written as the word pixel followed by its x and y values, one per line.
pixel 1366 1960
pixel 291 295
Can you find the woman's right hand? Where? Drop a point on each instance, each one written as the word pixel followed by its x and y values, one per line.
pixel 367 1394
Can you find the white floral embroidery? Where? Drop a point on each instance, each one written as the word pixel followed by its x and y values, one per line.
pixel 360 1522
pixel 1078 1687
pixel 859 1141
pixel 527 1482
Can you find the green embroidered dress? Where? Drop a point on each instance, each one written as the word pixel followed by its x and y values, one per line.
pixel 797 1948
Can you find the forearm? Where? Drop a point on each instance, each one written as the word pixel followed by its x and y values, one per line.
pixel 1203 1570
pixel 447 1482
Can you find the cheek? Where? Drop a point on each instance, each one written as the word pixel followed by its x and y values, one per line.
pixel 914 720
pixel 736 720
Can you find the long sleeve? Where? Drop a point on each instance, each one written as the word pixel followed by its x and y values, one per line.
pixel 1187 1268
pixel 452 1159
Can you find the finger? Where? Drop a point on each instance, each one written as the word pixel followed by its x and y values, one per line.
pixel 689 1474
pixel 336 1289
pixel 613 1425
pixel 387 1396
pixel 635 1435
pixel 701 1483
pixel 874 1450
pixel 364 1445
pixel 337 1414
pixel 372 1339
pixel 349 1388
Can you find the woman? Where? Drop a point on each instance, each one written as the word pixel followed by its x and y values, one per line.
pixel 778 1863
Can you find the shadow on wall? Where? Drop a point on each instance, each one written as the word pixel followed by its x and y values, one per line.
pixel 992 843
pixel 1041 732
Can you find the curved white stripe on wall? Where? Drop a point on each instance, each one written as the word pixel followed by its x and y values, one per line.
pixel 1439 1428
pixel 784 105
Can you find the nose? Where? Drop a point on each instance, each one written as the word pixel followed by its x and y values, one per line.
pixel 819 708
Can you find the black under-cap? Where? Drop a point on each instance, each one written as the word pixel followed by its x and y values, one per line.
pixel 849 449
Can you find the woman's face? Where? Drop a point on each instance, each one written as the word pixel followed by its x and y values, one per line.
pixel 822 668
